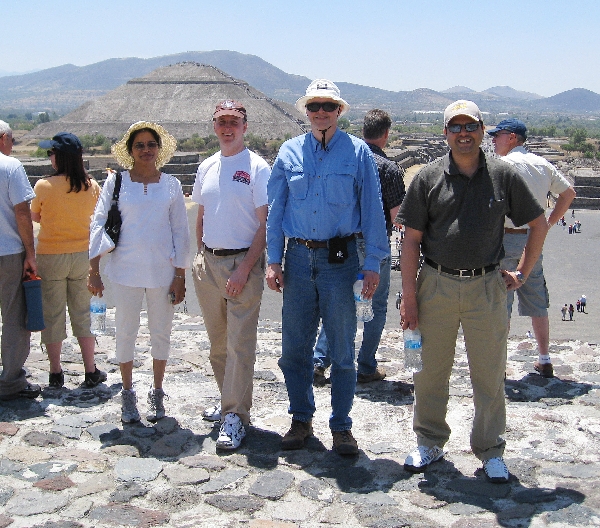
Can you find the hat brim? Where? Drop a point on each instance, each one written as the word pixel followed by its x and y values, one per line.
pixel 47 144
pixel 168 145
pixel 301 103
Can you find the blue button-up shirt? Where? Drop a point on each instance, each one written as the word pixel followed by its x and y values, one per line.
pixel 317 194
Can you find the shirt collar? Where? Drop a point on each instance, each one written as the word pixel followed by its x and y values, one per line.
pixel 451 168
pixel 376 150
pixel 316 143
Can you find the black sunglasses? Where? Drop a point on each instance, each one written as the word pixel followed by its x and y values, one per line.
pixel 469 127
pixel 327 106
pixel 50 153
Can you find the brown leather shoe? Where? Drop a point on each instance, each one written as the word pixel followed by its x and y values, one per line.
pixel 298 433
pixel 344 443
pixel 378 375
pixel 545 369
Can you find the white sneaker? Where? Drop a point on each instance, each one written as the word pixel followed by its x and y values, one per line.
pixel 231 433
pixel 420 458
pixel 495 470
pixel 129 412
pixel 212 414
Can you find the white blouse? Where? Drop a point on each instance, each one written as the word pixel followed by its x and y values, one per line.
pixel 154 238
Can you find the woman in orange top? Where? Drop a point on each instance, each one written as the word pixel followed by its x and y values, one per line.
pixel 63 205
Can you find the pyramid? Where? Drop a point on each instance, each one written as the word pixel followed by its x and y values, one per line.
pixel 181 97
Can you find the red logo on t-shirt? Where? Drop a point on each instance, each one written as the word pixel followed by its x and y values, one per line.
pixel 242 176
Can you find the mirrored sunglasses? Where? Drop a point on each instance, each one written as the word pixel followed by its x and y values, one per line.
pixel 469 127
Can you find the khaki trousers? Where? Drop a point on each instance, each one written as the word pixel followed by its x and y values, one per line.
pixel 479 305
pixel 15 338
pixel 231 324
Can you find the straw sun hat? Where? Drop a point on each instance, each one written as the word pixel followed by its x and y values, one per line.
pixel 168 145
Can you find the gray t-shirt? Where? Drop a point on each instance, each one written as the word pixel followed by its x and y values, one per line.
pixel 461 218
pixel 14 189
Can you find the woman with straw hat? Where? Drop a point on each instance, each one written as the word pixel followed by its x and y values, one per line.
pixel 151 258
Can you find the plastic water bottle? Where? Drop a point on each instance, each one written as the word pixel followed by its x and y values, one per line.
pixel 97 315
pixel 364 307
pixel 412 350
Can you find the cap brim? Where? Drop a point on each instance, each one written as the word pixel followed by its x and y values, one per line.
pixel 232 112
pixel 47 144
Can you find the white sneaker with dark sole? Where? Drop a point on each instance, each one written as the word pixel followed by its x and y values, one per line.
pixel 495 470
pixel 129 411
pixel 212 414
pixel 232 432
pixel 420 458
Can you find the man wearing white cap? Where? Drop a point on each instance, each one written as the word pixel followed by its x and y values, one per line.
pixel 454 214
pixel 324 188
pixel 508 138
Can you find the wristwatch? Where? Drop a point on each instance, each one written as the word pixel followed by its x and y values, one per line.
pixel 520 277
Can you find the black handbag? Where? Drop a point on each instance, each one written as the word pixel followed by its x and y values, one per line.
pixel 114 221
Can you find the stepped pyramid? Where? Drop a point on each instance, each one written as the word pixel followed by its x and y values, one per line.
pixel 181 97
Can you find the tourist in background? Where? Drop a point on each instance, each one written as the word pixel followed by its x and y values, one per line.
pixel 151 258
pixel 63 206
pixel 17 260
pixel 542 178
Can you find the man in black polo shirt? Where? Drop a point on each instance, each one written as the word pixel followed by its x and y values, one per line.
pixel 454 214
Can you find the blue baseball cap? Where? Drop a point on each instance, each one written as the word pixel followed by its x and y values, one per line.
pixel 512 125
pixel 64 142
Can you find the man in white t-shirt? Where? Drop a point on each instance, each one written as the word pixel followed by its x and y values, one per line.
pixel 17 257
pixel 231 192
pixel 542 177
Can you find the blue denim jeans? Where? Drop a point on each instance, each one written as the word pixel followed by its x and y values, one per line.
pixel 367 364
pixel 314 289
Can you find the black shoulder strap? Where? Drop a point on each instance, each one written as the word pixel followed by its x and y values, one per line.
pixel 117 189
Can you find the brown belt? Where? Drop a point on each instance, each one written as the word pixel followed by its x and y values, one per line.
pixel 513 231
pixel 313 244
pixel 225 252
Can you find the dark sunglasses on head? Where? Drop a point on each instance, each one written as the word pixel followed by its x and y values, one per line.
pixel 469 127
pixel 328 106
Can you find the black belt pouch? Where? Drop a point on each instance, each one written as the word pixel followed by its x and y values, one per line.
pixel 338 250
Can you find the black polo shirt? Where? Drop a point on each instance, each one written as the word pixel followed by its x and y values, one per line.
pixel 462 218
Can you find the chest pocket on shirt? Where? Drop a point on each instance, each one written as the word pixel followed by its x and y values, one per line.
pixel 340 187
pixel 297 181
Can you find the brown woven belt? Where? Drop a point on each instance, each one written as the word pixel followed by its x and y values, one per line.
pixel 513 231
pixel 313 244
pixel 461 272
pixel 225 252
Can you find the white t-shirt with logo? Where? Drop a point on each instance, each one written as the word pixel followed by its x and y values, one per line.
pixel 231 188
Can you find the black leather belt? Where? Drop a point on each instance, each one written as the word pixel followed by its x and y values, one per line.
pixel 225 252
pixel 461 272
pixel 313 244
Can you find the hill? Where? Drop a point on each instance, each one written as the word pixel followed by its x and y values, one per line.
pixel 67 87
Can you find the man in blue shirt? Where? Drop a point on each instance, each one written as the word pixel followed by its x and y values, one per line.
pixel 324 188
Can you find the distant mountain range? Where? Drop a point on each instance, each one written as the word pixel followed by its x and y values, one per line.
pixel 66 87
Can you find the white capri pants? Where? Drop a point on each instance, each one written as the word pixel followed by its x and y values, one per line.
pixel 128 304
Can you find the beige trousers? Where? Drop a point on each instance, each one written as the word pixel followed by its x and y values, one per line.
pixel 478 304
pixel 231 324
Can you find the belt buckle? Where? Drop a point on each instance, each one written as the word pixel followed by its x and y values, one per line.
pixel 466 273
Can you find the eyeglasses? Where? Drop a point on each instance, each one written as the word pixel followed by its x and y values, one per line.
pixel 327 106
pixel 502 134
pixel 469 127
pixel 150 145
pixel 50 153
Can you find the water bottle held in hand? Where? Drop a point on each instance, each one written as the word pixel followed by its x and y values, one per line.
pixel 364 307
pixel 412 350
pixel 97 315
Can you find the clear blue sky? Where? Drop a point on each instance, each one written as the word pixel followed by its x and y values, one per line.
pixel 545 47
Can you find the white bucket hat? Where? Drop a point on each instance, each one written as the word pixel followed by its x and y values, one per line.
pixel 322 88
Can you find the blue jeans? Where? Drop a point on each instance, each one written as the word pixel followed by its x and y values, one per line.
pixel 367 364
pixel 316 289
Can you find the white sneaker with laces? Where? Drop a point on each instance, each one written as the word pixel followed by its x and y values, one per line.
pixel 495 470
pixel 231 433
pixel 420 458
pixel 212 414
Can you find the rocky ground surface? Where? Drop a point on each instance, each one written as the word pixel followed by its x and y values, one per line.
pixel 67 461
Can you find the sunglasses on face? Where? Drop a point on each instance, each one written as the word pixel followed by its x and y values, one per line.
pixel 150 145
pixel 12 139
pixel 327 107
pixel 469 127
pixel 50 153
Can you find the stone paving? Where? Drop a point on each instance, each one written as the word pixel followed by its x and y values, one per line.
pixel 67 461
